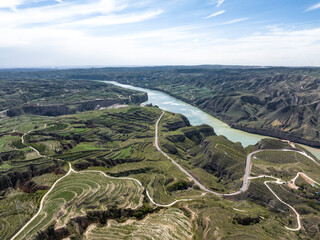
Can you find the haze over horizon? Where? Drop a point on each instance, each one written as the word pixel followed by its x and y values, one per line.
pixel 57 33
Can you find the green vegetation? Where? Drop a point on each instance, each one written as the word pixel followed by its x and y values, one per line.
pixel 284 165
pixel 15 210
pixel 181 185
pixel 120 143
pixel 214 160
pixel 79 193
pixel 23 93
pixel 18 144
pixel 215 219
pixel 124 153
pixel 281 102
pixel 168 224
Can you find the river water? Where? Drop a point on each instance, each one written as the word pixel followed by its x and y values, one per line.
pixel 197 117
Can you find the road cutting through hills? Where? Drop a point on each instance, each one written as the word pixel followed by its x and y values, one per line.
pixel 246 177
pixel 243 188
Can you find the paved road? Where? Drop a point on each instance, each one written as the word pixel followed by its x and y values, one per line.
pixel 175 163
pixel 246 177
pixel 243 188
pixel 245 183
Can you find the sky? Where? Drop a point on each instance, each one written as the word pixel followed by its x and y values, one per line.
pixel 62 33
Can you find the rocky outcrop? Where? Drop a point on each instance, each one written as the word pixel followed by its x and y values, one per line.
pixel 91 105
pixel 18 179
pixel 71 108
pixel 139 98
pixel 177 123
pixel 30 187
pixel 52 110
pixel 198 133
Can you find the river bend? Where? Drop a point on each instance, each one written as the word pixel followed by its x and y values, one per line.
pixel 198 117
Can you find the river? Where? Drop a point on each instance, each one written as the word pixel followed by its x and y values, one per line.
pixel 197 117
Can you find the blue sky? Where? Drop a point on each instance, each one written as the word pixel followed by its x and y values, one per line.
pixel 159 32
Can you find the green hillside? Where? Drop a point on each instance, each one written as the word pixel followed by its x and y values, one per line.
pixel 280 102
pixel 120 143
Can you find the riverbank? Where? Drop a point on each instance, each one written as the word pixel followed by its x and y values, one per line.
pixel 262 131
pixel 279 134
pixel 198 116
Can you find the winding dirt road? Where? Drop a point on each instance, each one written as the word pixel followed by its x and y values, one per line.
pixel 23 142
pixel 42 201
pixel 243 188
pixel 246 177
pixel 71 170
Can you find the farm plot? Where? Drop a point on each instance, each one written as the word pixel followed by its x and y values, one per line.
pixel 284 165
pixel 168 224
pixel 15 210
pixel 80 192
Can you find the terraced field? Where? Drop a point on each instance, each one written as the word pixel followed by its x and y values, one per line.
pixel 170 224
pixel 284 165
pixel 80 192
pixel 15 210
pixel 88 204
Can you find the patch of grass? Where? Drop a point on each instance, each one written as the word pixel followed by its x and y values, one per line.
pixel 124 153
pixel 84 147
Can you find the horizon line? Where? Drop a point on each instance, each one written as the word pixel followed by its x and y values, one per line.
pixel 151 66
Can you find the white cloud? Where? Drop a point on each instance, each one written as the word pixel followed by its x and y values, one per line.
pixel 215 14
pixel 184 45
pixel 219 2
pixel 63 34
pixel 70 15
pixel 314 7
pixel 10 3
pixel 62 29
pixel 116 19
pixel 60 13
pixel 235 21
